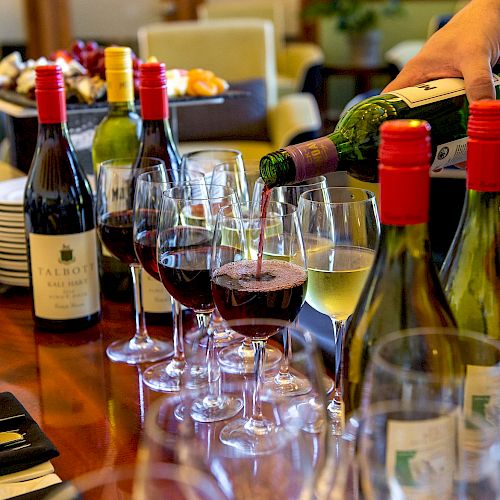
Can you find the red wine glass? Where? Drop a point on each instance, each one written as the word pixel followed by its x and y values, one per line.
pixel 164 376
pixel 184 246
pixel 258 271
pixel 114 206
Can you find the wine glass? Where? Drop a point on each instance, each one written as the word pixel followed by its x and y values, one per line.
pixel 447 366
pixel 184 239
pixel 284 381
pixel 163 376
pixel 415 449
pixel 158 480
pixel 341 229
pixel 114 207
pixel 244 285
pixel 287 471
pixel 222 167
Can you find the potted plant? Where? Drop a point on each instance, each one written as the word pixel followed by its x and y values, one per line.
pixel 359 20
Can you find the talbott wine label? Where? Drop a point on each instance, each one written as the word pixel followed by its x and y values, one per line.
pixel 64 274
pixel 155 299
pixel 420 457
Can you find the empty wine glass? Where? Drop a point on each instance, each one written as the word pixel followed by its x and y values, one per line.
pixel 341 228
pixel 184 246
pixel 284 381
pixel 150 186
pixel 223 167
pixel 414 450
pixel 114 206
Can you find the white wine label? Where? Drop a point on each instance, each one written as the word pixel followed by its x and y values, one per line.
pixel 481 412
pixel 155 299
pixel 437 90
pixel 64 275
pixel 420 457
pixel 449 154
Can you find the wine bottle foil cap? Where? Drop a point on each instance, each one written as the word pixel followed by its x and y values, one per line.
pixel 153 74
pixel 50 94
pixel 117 58
pixel 153 91
pixel 483 148
pixel 404 163
pixel 405 142
pixel 484 120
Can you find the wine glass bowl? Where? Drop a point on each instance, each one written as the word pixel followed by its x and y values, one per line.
pixel 341 228
pixel 115 219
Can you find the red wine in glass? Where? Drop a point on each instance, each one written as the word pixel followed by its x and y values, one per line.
pixel 278 293
pixel 115 230
pixel 145 248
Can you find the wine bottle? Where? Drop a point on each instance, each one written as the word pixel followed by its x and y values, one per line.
pixel 403 288
pixel 156 141
pixel 353 145
pixel 156 138
pixel 117 136
pixel 471 270
pixel 59 219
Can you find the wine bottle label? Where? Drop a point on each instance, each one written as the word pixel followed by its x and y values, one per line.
pixel 64 275
pixel 155 299
pixel 437 90
pixel 312 158
pixel 481 411
pixel 420 457
pixel 449 153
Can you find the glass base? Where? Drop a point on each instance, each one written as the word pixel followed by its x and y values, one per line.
pixel 214 409
pixel 222 338
pixel 254 437
pixel 133 353
pixel 235 359
pixel 164 377
pixel 287 384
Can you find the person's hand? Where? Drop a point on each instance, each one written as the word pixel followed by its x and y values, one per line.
pixel 467 46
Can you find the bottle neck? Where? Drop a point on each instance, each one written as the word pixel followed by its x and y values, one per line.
pixel 120 87
pixel 121 108
pixel 47 131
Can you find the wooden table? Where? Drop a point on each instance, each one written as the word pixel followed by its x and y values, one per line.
pixel 91 408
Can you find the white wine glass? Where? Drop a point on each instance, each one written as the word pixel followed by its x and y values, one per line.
pixel 341 230
pixel 164 376
pixel 115 216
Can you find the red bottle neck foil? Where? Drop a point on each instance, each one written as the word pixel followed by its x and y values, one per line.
pixel 50 94
pixel 153 91
pixel 483 149
pixel 404 158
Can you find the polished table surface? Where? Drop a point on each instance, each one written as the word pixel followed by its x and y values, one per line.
pixel 91 408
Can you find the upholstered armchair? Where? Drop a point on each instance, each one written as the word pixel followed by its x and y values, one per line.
pixel 298 63
pixel 241 51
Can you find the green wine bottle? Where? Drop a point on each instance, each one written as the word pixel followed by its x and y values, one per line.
pixel 117 136
pixel 471 270
pixel 353 145
pixel 403 289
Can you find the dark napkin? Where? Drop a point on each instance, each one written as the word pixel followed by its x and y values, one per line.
pixel 41 449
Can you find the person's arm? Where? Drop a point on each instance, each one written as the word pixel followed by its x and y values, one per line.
pixel 467 46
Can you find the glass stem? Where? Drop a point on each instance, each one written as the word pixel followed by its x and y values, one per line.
pixel 260 355
pixel 177 331
pixel 141 332
pixel 212 364
pixel 338 335
pixel 284 372
pixel 246 350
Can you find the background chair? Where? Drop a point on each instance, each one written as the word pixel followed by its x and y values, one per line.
pixel 242 51
pixel 298 63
